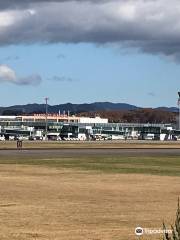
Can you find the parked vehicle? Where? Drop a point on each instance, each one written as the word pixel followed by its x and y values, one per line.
pixel 2 138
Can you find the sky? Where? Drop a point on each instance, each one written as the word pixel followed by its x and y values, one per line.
pixel 85 51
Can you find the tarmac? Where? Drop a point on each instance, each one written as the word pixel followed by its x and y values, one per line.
pixel 90 152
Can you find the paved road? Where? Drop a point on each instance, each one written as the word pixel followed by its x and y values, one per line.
pixel 90 152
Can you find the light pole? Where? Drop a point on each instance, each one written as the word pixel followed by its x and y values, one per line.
pixel 46 130
pixel 179 111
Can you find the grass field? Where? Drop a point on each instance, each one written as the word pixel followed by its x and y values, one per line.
pixel 86 198
pixel 167 166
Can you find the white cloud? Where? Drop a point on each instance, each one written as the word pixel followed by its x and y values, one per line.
pixel 152 26
pixel 31 11
pixel 6 19
pixel 8 75
pixel 127 11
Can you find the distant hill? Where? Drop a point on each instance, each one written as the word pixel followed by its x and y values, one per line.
pixel 168 109
pixel 74 108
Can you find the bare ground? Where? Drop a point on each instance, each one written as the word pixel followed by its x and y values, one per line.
pixel 63 204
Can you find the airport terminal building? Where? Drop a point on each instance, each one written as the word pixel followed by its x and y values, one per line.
pixel 64 127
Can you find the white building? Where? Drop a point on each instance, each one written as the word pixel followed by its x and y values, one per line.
pixel 93 120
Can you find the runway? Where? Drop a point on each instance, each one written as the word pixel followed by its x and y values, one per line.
pixel 90 152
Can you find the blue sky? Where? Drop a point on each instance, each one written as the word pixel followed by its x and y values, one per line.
pixel 88 51
pixel 90 73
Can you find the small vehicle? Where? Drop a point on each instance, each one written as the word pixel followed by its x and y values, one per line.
pixel 2 138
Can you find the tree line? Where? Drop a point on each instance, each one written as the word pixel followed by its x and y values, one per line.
pixel 136 116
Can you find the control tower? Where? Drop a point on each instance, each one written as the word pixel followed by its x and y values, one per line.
pixel 179 110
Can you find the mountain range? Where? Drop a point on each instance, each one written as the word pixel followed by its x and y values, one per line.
pixel 74 108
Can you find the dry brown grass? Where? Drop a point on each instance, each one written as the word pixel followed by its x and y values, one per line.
pixel 63 204
pixel 92 144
